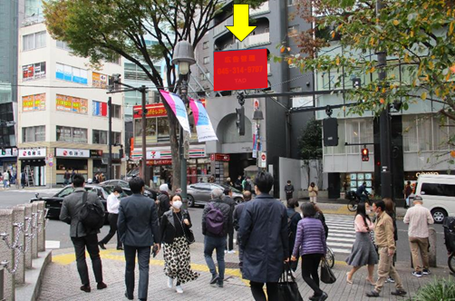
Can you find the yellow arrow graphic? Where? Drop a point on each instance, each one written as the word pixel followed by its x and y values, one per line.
pixel 241 28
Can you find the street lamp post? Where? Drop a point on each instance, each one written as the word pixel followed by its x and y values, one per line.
pixel 183 58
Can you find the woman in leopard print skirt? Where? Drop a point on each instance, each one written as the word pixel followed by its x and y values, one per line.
pixel 175 225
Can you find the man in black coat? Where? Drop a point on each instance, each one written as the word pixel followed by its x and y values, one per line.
pixel 237 214
pixel 138 229
pixel 263 235
pixel 82 238
pixel 228 200
pixel 216 242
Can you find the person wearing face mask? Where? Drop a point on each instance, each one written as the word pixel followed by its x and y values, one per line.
pixel 112 205
pixel 175 225
pixel 363 251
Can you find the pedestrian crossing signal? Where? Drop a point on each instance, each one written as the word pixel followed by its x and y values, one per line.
pixel 365 155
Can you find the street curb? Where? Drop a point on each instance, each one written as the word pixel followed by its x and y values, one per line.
pixel 33 277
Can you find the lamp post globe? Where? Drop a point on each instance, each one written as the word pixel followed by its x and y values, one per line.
pixel 183 57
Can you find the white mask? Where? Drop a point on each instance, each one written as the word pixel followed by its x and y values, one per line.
pixel 177 204
pixel 368 211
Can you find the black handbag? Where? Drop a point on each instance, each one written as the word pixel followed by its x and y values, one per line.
pixel 189 235
pixel 287 287
pixel 327 275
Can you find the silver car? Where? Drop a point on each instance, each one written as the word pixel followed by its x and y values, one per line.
pixel 200 193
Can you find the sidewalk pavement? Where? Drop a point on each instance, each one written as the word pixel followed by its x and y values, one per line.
pixel 61 280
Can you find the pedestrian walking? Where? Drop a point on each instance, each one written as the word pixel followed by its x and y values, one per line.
pixel 390 209
pixel 313 192
pixel 289 190
pixel 66 177
pixel 138 229
pixel 386 248
pixel 73 173
pixel 112 204
pixel 215 234
pixel 310 244
pixel 407 192
pixel 175 224
pixel 263 235
pixel 23 179
pixel 237 214
pixel 418 218
pixel 293 219
pixel 228 182
pixel 83 239
pixel 5 179
pixel 248 186
pixel 162 201
pixel 228 200
pixel 363 251
pixel 238 183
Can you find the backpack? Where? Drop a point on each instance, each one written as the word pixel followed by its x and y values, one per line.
pixel 91 215
pixel 214 221
pixel 290 232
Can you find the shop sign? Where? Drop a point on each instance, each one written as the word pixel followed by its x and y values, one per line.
pixel 152 155
pixel 25 153
pixel 96 153
pixel 435 173
pixel 9 152
pixel 71 104
pixel 72 153
pixel 153 110
pixel 262 160
pixel 220 157
pixel 159 162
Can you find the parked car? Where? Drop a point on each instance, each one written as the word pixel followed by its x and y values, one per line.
pixel 131 174
pixel 54 203
pixel 200 193
pixel 438 195
pixel 149 192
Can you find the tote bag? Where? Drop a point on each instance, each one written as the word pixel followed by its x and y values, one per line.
pixel 287 287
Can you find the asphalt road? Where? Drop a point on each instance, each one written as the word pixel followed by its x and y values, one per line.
pixel 59 231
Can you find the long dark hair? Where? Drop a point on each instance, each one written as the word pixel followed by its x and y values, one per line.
pixel 362 212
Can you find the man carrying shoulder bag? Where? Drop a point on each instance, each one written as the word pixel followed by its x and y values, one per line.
pixel 82 237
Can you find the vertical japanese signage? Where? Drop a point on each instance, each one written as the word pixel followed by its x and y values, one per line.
pixel 240 69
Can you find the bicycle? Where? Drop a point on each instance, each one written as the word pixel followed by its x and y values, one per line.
pixel 354 201
pixel 330 257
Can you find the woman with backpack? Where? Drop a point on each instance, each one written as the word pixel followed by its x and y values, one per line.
pixel 363 251
pixel 175 237
pixel 293 219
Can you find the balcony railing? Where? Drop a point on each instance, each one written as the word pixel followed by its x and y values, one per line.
pixel 255 40
pixel 264 8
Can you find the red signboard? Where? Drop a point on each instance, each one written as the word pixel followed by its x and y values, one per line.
pixel 153 110
pixel 160 162
pixel 240 69
pixel 220 157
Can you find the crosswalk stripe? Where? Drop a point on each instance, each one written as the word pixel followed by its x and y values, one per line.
pixel 341 233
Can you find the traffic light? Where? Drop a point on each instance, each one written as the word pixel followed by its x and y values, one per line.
pixel 114 82
pixel 365 155
pixel 330 129
pixel 240 122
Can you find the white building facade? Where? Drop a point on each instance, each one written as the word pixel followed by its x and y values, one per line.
pixel 63 112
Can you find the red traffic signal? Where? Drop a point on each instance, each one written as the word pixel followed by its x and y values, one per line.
pixel 365 155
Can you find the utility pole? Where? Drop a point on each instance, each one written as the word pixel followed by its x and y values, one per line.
pixel 109 166
pixel 384 123
pixel 143 90
pixel 183 165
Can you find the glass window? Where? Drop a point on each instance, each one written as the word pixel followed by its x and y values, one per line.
pixel 40 39
pixel 99 137
pixel 66 191
pixel 116 111
pixel 163 127
pixel 205 45
pixel 410 143
pixel 33 134
pixel 438 189
pixel 34 41
pixel 206 60
pixel 69 134
pixel 150 127
pixel 117 137
pixel 424 133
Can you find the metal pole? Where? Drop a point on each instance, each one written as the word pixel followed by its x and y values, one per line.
pixel 384 124
pixel 109 166
pixel 183 165
pixel 143 90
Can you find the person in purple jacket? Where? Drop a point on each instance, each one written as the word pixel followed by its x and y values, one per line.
pixel 310 243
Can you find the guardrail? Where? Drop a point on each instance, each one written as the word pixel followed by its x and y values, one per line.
pixel 22 230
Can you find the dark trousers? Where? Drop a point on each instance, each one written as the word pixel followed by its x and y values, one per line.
pixel 113 228
pixel 143 258
pixel 288 196
pixel 218 244
pixel 310 264
pixel 230 239
pixel 258 292
pixel 91 243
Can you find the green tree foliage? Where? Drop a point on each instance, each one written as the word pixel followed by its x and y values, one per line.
pixel 310 142
pixel 418 37
pixel 104 29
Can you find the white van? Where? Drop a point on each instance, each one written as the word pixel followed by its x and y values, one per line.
pixel 438 194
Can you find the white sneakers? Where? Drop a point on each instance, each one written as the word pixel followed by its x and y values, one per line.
pixel 170 282
pixel 179 289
